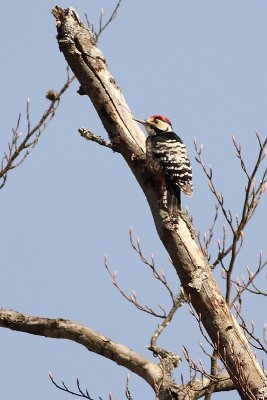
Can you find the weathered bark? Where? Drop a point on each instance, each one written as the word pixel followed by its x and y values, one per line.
pixel 97 343
pixel 92 340
pixel 90 68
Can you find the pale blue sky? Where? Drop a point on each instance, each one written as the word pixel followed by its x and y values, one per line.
pixel 203 64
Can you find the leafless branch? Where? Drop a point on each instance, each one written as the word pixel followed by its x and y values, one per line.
pixel 127 389
pixel 198 388
pixel 168 359
pixel 208 238
pixel 195 368
pixel 93 341
pixel 21 145
pixel 202 387
pixel 253 339
pixel 198 319
pixel 102 345
pixel 179 301
pixel 88 135
pixel 132 298
pixel 243 286
pixel 213 372
pixel 64 388
pixel 159 275
pixel 90 25
pixel 102 26
pixel 252 197
pixel 253 193
pixel 218 195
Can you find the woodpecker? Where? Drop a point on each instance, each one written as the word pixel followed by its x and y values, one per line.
pixel 167 162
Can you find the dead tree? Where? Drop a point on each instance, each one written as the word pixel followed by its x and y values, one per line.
pixel 189 258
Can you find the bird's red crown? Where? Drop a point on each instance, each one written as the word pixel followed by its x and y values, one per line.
pixel 162 118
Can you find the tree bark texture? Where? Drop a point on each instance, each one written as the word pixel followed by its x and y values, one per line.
pixel 88 64
pixel 97 343
pixel 92 340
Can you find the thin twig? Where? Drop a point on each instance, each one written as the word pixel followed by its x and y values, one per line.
pixel 250 204
pixel 251 336
pixel 208 238
pixel 133 298
pixel 245 286
pixel 127 390
pixel 19 151
pixel 159 275
pixel 64 388
pixel 209 174
pixel 213 373
pixel 253 193
pixel 111 18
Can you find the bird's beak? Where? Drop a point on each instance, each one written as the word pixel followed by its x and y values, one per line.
pixel 140 121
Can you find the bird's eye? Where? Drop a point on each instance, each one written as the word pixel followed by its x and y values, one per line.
pixel 156 121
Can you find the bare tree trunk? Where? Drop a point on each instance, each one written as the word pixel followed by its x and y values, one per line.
pixel 88 64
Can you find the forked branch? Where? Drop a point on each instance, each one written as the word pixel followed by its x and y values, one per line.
pixel 253 193
pixel 22 144
pixel 132 298
pixel 102 25
pixel 87 62
pixel 158 274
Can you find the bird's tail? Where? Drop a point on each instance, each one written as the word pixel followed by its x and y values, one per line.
pixel 173 201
